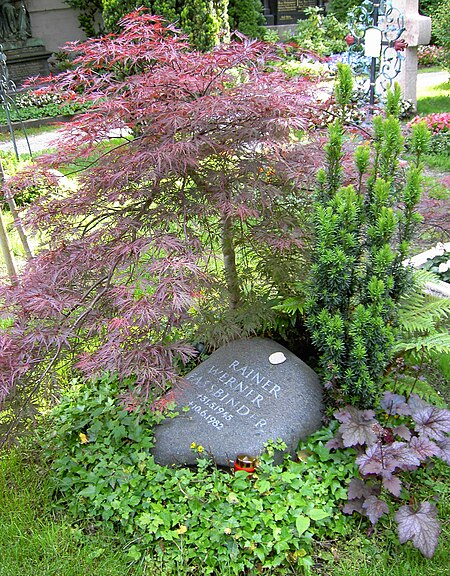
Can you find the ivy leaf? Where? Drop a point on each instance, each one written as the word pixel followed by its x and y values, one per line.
pixel 375 508
pixel 432 422
pixel 423 447
pixel 302 524
pixel 395 404
pixel 421 527
pixel 357 426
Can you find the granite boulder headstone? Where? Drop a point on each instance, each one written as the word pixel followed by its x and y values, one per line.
pixel 244 394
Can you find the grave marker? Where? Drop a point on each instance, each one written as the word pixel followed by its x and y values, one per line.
pixel 243 395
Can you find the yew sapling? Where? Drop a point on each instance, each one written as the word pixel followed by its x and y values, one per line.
pixel 391 444
pixel 174 217
pixel 362 230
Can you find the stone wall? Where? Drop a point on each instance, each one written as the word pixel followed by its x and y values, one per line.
pixel 54 22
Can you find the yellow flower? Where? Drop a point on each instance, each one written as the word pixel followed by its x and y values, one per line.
pixel 193 446
pixel 181 530
pixel 227 530
pixel 83 438
pixel 200 449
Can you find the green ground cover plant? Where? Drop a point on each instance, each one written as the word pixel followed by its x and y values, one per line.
pixel 205 518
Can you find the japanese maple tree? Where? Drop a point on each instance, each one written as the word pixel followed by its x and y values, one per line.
pixel 197 192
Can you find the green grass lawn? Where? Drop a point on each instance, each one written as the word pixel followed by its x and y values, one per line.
pixel 433 98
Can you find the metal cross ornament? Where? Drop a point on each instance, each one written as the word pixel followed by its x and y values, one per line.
pixel 375 47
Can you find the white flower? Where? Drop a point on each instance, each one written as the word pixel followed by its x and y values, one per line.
pixel 444 266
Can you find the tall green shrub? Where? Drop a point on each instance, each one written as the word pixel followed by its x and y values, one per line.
pixel 206 22
pixel 247 17
pixel 341 8
pixel 362 235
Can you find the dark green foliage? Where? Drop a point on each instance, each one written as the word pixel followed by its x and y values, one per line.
pixel 114 10
pixel 322 34
pixel 362 236
pixel 341 8
pixel 440 28
pixel 223 523
pixel 88 15
pixel 247 17
pixel 205 22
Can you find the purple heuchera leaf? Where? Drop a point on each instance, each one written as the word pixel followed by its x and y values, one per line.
pixel 432 422
pixel 359 489
pixel 421 527
pixel 393 484
pixel 335 443
pixel 375 508
pixel 423 447
pixel 398 456
pixel 402 431
pixel 444 450
pixel 416 403
pixel 354 506
pixel 371 462
pixel 357 426
pixel 395 404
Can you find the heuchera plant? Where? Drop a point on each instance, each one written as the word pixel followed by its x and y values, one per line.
pixel 205 153
pixel 412 432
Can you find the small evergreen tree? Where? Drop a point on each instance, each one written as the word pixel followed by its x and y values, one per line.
pixel 206 22
pixel 362 235
pixel 247 17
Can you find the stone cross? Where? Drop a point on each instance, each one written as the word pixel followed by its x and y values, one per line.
pixel 417 32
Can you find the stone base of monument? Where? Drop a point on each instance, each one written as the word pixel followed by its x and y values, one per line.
pixel 245 394
pixel 26 59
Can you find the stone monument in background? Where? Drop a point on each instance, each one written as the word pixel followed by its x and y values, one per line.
pixel 25 55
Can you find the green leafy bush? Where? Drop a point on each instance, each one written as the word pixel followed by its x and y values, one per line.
pixel 205 518
pixel 340 8
pixel 440 26
pixel 322 34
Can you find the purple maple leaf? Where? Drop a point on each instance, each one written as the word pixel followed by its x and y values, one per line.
pixel 357 426
pixel 420 526
pixel 395 404
pixel 432 422
pixel 423 447
pixel 375 508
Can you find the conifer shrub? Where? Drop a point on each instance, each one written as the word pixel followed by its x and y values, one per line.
pixel 247 17
pixel 362 235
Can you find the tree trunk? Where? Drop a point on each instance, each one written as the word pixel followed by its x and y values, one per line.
pixel 229 261
pixel 6 251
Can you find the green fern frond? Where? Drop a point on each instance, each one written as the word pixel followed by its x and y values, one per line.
pixel 435 343
pixel 423 319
